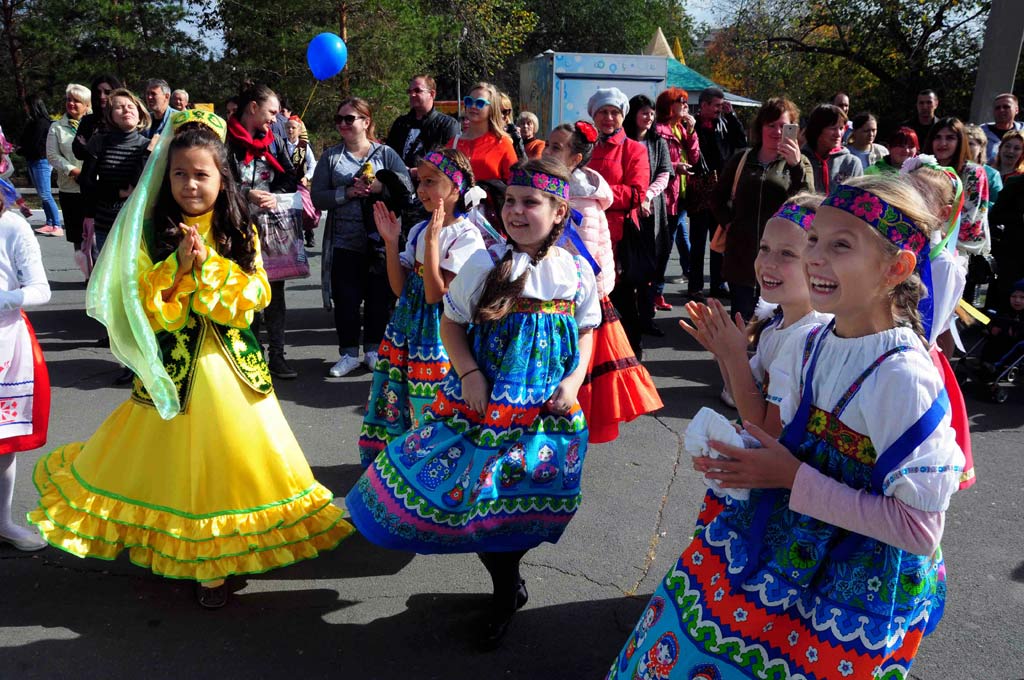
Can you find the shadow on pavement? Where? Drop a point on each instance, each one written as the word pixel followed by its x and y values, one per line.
pixel 110 620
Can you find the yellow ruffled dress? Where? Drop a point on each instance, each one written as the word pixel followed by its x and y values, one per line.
pixel 222 488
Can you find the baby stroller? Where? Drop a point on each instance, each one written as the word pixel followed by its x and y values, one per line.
pixel 994 365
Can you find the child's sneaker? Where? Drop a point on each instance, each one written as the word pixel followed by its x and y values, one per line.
pixel 370 359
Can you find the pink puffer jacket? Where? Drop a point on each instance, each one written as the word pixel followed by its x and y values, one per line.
pixel 591 196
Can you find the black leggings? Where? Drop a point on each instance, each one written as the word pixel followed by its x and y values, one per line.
pixel 505 577
pixel 354 283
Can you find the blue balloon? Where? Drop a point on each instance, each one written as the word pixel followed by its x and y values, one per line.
pixel 326 56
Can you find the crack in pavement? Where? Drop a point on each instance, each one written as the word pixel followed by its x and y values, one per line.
pixel 569 572
pixel 652 546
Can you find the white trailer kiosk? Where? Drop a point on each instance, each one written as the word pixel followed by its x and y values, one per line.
pixel 556 85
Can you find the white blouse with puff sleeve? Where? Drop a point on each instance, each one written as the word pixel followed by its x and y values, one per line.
pixel 889 402
pixel 456 244
pixel 559 276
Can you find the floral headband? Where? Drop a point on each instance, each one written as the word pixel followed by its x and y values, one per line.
pixel 538 180
pixel 886 219
pixel 210 120
pixel 447 166
pixel 798 215
pixel 588 131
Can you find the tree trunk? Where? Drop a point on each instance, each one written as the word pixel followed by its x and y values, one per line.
pixel 343 28
pixel 10 22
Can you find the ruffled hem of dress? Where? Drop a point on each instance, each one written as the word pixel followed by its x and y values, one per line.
pixel 87 523
pixel 621 396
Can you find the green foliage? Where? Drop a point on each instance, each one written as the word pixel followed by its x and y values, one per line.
pixel 880 51
pixel 62 41
pixel 49 43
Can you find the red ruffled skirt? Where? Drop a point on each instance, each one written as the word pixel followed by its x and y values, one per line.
pixel 617 388
pixel 960 424
pixel 40 402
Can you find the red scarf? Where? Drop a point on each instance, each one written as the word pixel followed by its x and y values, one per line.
pixel 254 148
pixel 824 167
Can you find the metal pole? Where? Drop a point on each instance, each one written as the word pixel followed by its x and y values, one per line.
pixel 1000 52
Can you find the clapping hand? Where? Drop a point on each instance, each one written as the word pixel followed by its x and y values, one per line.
pixel 714 330
pixel 436 223
pixel 387 223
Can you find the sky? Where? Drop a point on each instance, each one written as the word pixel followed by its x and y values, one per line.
pixel 701 11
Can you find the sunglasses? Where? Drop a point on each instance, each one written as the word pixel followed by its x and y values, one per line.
pixel 475 102
pixel 682 100
pixel 347 120
pixel 506 112
pixel 416 90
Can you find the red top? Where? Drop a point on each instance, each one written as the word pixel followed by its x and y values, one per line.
pixel 491 156
pixel 624 165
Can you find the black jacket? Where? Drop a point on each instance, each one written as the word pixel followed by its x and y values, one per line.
pixel 436 130
pixel 721 141
pixel 32 142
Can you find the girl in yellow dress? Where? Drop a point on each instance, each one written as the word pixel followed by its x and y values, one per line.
pixel 198 473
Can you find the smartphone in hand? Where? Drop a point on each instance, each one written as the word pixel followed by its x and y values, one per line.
pixel 791 131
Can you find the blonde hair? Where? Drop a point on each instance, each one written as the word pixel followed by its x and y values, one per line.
pixel 108 112
pixel 977 134
pixel 80 93
pixel 904 196
pixel 495 122
pixel 935 186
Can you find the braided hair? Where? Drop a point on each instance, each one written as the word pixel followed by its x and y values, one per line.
pixel 500 290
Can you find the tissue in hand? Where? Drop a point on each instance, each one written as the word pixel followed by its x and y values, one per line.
pixel 710 425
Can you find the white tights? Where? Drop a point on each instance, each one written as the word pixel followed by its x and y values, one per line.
pixel 8 463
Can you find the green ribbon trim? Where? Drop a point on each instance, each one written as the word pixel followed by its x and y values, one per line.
pixel 181 513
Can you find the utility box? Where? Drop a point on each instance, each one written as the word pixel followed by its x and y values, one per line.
pixel 556 86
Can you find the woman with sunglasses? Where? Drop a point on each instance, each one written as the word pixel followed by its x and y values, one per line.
pixel 485 142
pixel 510 127
pixel 347 182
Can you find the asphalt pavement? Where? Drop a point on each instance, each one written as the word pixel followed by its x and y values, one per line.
pixel 364 612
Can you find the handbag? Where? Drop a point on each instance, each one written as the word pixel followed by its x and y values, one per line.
pixel 310 215
pixel 700 187
pixel 635 256
pixel 281 239
pixel 721 236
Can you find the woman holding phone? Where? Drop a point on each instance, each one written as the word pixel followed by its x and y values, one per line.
pixel 764 176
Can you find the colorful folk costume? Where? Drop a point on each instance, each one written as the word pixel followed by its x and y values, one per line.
pixel 24 381
pixel 198 473
pixel 510 479
pixel 771 346
pixel 945 283
pixel 617 388
pixel 766 591
pixel 411 360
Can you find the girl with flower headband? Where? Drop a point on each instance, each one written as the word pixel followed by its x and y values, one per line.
pixel 942 190
pixel 779 268
pixel 833 567
pixel 617 387
pixel 495 466
pixel 411 360
pixel 198 473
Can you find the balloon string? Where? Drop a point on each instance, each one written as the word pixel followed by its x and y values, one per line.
pixel 311 92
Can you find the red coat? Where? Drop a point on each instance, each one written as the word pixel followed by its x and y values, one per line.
pixel 624 165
